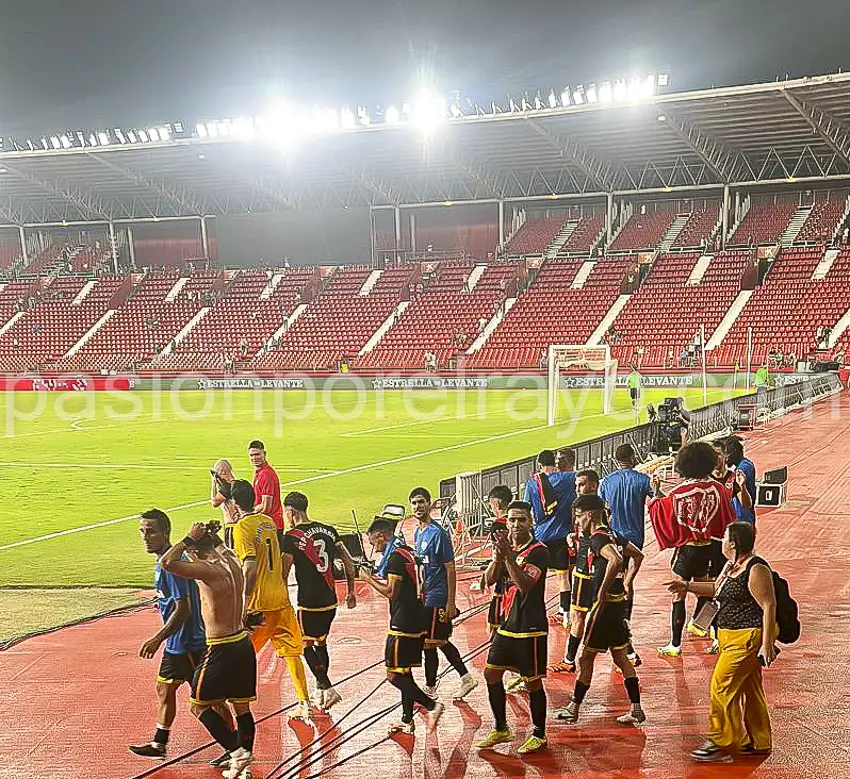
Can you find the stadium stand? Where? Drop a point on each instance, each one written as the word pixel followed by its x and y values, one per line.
pixel 643 231
pixel 701 226
pixel 339 322
pixel 552 312
pixel 444 318
pixel 535 234
pixel 786 311
pixel 586 234
pixel 763 223
pixel 641 325
pixel 823 222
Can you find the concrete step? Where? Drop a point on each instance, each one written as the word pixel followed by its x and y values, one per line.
pixel 583 273
pixel 608 320
pixel 729 319
pixel 371 281
pixel 491 326
pixel 91 333
pixel 385 326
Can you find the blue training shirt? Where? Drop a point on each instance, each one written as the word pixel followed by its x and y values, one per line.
pixel 625 491
pixel 434 548
pixel 190 636
pixel 749 469
pixel 381 570
pixel 556 526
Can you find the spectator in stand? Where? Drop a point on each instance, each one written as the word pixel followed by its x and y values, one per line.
pixel 266 485
pixel 482 323
pixel 16 344
pixel 683 356
pixel 244 346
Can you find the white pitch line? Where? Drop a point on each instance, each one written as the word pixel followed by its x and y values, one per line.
pixel 308 480
pixel 132 467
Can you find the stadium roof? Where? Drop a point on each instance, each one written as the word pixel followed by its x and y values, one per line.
pixel 772 133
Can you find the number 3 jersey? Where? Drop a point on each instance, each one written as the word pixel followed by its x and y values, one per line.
pixel 313 549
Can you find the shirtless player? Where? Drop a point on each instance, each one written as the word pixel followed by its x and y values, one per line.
pixel 228 672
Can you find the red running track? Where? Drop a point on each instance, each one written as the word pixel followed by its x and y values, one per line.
pixel 71 701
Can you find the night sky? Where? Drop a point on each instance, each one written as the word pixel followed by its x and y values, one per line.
pixel 92 63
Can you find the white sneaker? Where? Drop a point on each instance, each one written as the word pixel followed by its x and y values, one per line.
pixel 405 728
pixel 434 716
pixel 431 692
pixel 632 717
pixel 568 714
pixel 670 651
pixel 331 698
pixel 240 759
pixel 467 684
pixel 302 711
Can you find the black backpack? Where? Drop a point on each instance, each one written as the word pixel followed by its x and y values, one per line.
pixel 787 613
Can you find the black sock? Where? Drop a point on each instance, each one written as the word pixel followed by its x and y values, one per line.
pixel 400 682
pixel 432 663
pixel 633 689
pixel 325 666
pixel 498 703
pixel 677 622
pixel 316 663
pixel 245 729
pixel 565 598
pixel 537 702
pixel 700 603
pixel 161 735
pixel 580 691
pixel 453 656
pixel 218 729
pixel 572 648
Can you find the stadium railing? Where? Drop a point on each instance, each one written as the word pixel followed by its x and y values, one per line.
pixel 598 453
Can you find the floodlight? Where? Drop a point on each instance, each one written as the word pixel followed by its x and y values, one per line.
pixel 120 136
pixel 620 90
pixel 606 94
pixel 81 138
pixel 406 110
pixel 54 142
pixel 212 129
pixel 201 129
pixel 153 134
pixel 103 138
pixel 363 116
pixel 224 128
pixel 164 134
pixel 526 106
pixel 578 96
pixel 178 127
pixel 428 111
pixel 565 97
pixel 553 101
pixel 512 106
pixel 143 136
pixel 392 115
pixel 242 128
pixel 131 136
pixel 648 88
pixel 92 139
pixel 662 118
pixel 663 79
pixel 66 141
pixel 282 126
pixel 455 111
pixel 635 90
pixel 538 102
pixel 347 119
pixel 591 93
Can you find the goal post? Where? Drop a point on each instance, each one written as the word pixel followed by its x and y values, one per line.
pixel 593 360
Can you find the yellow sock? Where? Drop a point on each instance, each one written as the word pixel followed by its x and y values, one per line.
pixel 299 678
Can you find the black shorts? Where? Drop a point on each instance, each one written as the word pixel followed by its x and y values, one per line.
pixel 494 615
pixel 402 653
pixel 559 559
pixel 692 561
pixel 228 671
pixel 582 597
pixel 607 627
pixel 524 656
pixel 315 625
pixel 633 393
pixel 176 669
pixel 437 632
pixel 717 560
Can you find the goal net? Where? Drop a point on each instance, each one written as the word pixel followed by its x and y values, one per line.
pixel 595 367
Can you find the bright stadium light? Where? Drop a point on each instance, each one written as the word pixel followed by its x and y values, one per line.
pixel 66 141
pixel 455 111
pixel 201 129
pixel 242 128
pixel 591 93
pixel 153 134
pixel 663 79
pixel 553 101
pixel 578 96
pixel 54 142
pixel 212 129
pixel 565 97
pixel 620 90
pixel 224 128
pixel 131 136
pixel 363 116
pixel 165 133
pixel 119 135
pixel 392 115
pixel 648 88
pixel 103 138
pixel 81 138
pixel 428 111
pixel 606 94
pixel 143 136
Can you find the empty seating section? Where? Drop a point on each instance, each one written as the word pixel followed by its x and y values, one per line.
pixel 444 319
pixel 786 311
pixel 698 228
pixel 643 231
pixel 585 235
pixel 9 254
pixel 763 223
pixel 550 312
pixel 536 234
pixel 664 315
pixel 337 324
pixel 822 222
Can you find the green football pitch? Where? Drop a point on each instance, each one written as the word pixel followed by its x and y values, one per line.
pixel 79 467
